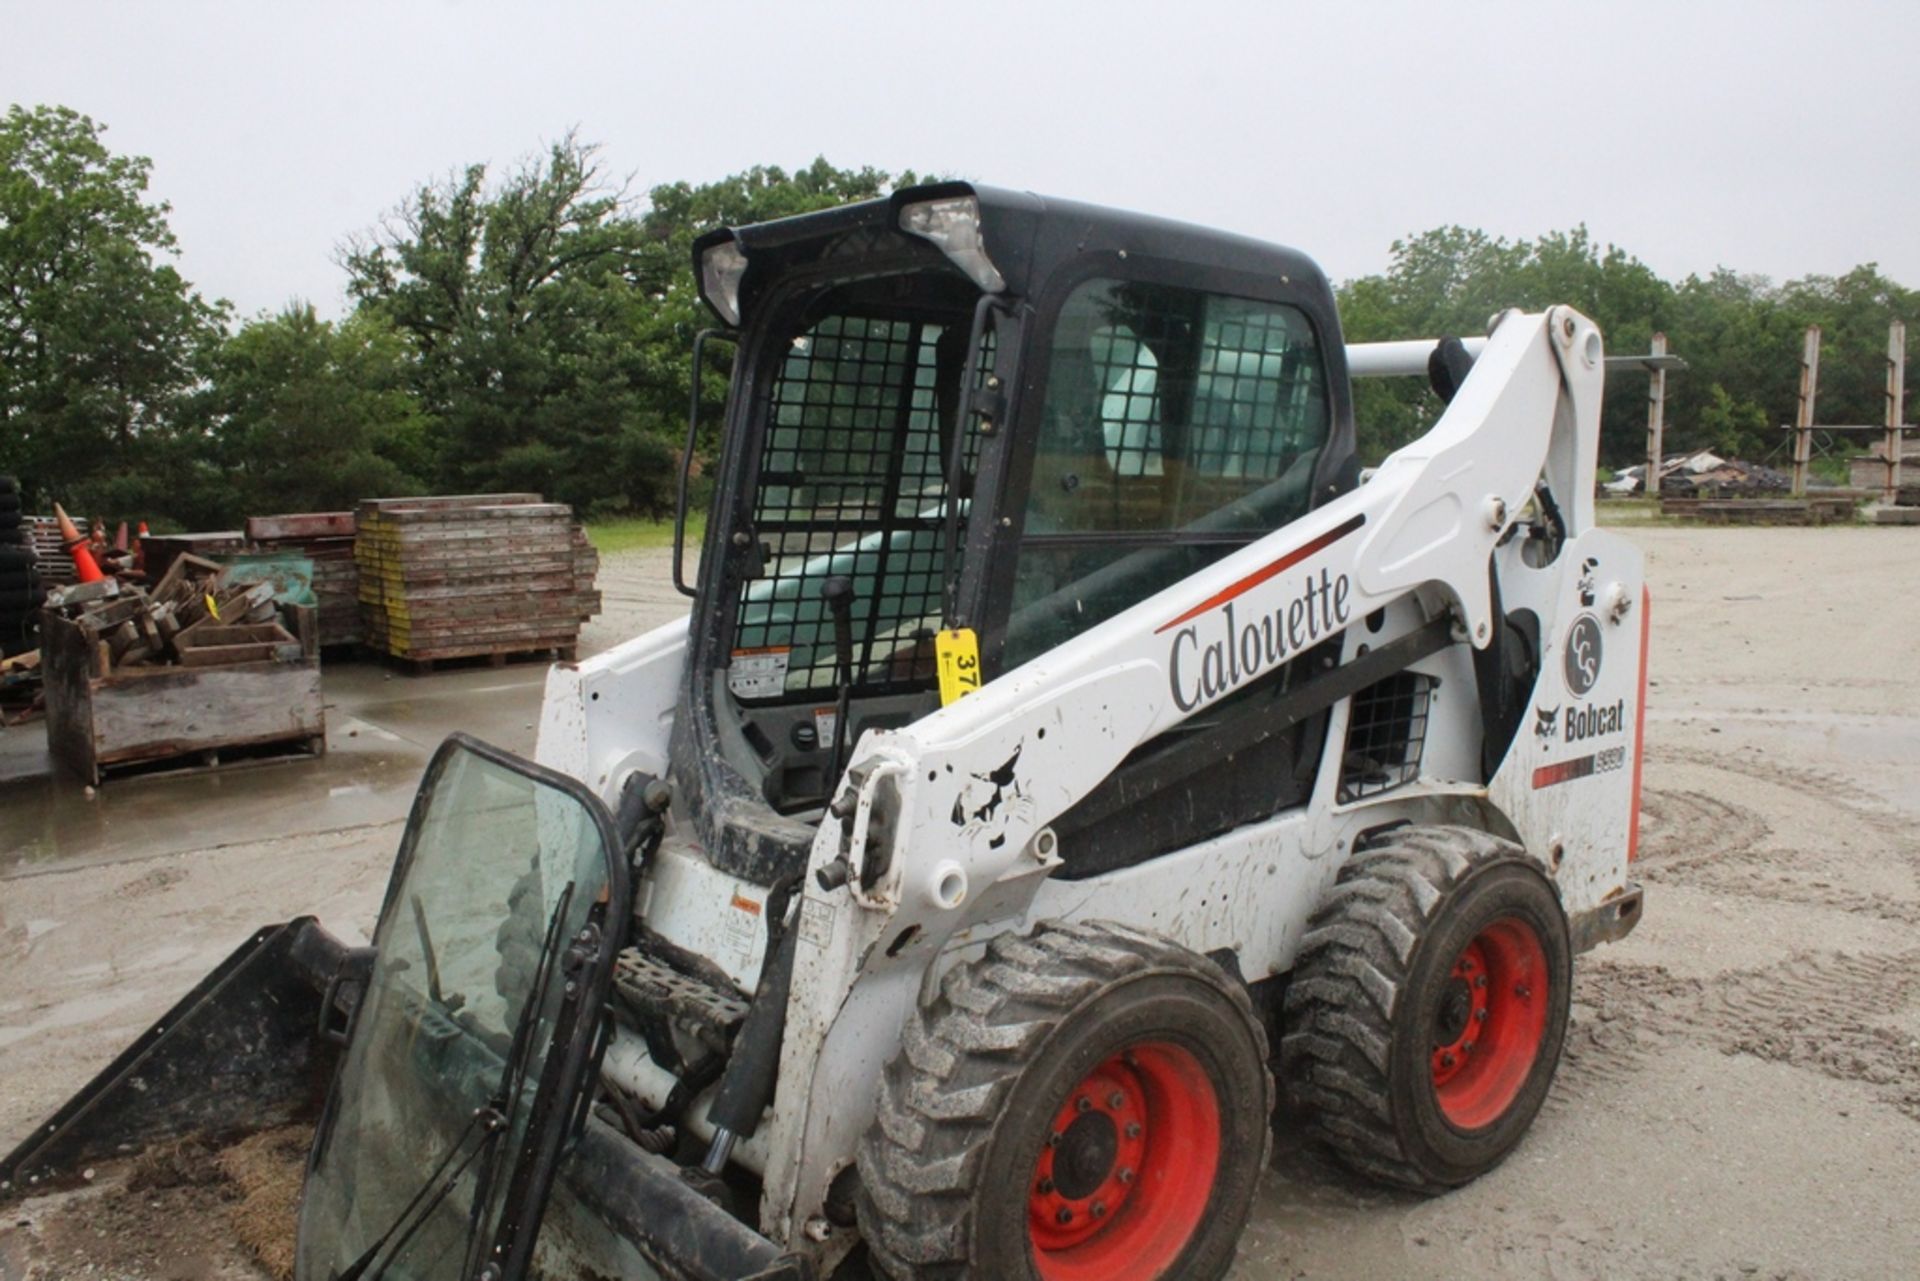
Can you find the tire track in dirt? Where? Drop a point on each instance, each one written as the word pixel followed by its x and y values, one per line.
pixel 1703 841
pixel 1685 828
pixel 1827 788
pixel 1786 1011
pixel 1806 1012
pixel 1803 1011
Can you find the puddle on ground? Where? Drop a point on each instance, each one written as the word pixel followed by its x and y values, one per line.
pixel 53 822
pixel 382 728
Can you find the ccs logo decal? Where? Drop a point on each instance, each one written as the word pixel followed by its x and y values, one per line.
pixel 1582 658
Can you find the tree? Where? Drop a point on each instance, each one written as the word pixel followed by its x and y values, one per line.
pixel 309 416
pixel 1453 280
pixel 99 338
pixel 551 320
pixel 678 214
pixel 518 302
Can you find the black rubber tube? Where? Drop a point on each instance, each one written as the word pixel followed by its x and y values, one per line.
pixel 747 1085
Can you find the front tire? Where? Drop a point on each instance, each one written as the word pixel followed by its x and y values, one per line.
pixel 1087 1103
pixel 1425 1016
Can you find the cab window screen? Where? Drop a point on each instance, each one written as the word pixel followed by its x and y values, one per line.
pixel 1177 426
pixel 852 482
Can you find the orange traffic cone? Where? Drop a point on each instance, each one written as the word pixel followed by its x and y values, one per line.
pixel 85 570
pixel 140 548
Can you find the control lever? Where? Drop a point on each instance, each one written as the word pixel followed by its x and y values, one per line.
pixel 837 592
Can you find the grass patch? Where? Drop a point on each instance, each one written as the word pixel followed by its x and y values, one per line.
pixel 632 534
pixel 1630 511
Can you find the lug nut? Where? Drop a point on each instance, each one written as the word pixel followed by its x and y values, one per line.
pixel 1116 1100
pixel 1467 1048
pixel 1046 1185
pixel 1133 1129
pixel 1522 991
pixel 1480 981
pixel 1083 1104
pixel 1447 1059
pixel 1126 1174
pixel 1064 1217
pixel 1480 1014
pixel 1099 1209
pixel 1053 1140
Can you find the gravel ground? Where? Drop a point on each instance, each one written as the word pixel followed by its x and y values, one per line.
pixel 1741 1095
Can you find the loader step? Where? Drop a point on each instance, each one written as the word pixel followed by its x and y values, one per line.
pixel 649 987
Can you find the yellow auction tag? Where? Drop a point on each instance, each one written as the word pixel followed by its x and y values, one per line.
pixel 957 651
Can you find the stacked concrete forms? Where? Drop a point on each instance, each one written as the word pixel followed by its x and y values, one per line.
pixel 485 574
pixel 325 538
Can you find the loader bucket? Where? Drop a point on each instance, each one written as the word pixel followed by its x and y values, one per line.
pixel 241 1052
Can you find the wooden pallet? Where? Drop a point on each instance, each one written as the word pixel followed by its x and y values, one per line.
pixel 1760 511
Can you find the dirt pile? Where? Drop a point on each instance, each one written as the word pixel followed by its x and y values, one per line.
pixel 183 1211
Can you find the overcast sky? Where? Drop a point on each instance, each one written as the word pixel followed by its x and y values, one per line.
pixel 1766 137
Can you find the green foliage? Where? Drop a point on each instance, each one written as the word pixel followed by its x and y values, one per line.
pixel 532 329
pixel 550 320
pixel 306 415
pixel 99 339
pixel 519 305
pixel 1740 336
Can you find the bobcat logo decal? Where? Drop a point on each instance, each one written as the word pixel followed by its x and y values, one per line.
pixel 1585 585
pixel 1546 723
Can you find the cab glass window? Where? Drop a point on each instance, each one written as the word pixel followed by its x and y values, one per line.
pixel 1177 425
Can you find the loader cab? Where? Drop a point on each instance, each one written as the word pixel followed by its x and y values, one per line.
pixel 970 408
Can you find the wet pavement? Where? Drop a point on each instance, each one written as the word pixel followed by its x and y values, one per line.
pixel 382 728
pixel 383 725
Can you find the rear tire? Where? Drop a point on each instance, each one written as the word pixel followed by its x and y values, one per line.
pixel 1087 1103
pixel 1425 1016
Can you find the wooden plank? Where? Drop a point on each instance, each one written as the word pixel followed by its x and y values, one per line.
pixel 300 525
pixel 249 652
pixel 67 658
pixel 444 502
pixel 177 711
pixel 213 634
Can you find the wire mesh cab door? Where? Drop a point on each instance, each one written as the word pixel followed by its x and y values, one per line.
pixel 850 480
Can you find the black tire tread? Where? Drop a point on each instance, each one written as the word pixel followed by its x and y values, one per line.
pixel 941 1096
pixel 1347 981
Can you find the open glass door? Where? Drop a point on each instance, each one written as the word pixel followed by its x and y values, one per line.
pixel 494 950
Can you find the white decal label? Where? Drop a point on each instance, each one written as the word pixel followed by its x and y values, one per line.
pixel 758 673
pixel 816 922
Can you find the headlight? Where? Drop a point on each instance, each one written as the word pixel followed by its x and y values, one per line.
pixel 953 225
pixel 720 270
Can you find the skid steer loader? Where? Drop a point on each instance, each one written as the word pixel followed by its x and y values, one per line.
pixel 1069 764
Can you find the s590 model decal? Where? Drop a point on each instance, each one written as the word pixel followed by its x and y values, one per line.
pixel 1579 767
